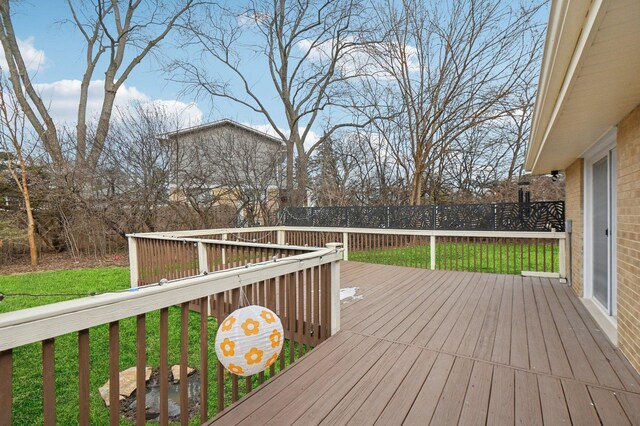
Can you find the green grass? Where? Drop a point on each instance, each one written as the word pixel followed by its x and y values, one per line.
pixel 501 258
pixel 27 367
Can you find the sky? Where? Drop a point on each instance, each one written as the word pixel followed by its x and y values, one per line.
pixel 54 51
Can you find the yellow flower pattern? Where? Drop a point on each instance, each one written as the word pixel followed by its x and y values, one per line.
pixel 227 347
pixel 276 338
pixel 254 356
pixel 271 360
pixel 268 317
pixel 250 327
pixel 236 369
pixel 228 323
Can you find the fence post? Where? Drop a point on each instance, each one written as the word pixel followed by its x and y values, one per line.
pixel 432 263
pixel 345 245
pixel 281 237
pixel 335 291
pixel 133 262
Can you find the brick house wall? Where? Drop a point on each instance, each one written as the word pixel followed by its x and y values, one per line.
pixel 574 206
pixel 628 238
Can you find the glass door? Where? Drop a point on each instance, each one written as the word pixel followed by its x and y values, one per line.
pixel 600 215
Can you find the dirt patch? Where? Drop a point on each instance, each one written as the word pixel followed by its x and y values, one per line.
pixel 58 261
pixel 128 406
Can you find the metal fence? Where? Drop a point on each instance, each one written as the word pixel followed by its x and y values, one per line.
pixel 538 216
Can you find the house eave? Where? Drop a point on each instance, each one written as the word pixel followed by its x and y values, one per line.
pixel 588 81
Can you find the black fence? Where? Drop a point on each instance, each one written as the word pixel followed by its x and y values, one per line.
pixel 533 216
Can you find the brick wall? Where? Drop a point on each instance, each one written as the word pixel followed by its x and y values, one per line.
pixel 574 203
pixel 628 238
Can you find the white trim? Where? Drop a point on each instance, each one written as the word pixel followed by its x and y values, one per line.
pixel 602 148
pixel 608 324
pixel 540 274
pixel 541 130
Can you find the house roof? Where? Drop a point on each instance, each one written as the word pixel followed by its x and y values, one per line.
pixel 589 81
pixel 221 123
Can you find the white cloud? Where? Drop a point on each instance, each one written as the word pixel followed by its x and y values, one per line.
pixel 186 114
pixel 62 98
pixel 365 60
pixel 34 59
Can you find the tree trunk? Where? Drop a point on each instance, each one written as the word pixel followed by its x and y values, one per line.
pixel 31 223
pixel 301 180
pixel 289 178
pixel 415 199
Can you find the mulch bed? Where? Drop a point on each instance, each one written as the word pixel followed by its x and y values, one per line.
pixel 58 261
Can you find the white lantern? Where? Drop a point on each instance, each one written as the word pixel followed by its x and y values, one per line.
pixel 249 340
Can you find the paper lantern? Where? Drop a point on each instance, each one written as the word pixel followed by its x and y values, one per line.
pixel 249 340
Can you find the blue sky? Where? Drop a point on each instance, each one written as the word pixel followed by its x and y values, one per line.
pixel 58 53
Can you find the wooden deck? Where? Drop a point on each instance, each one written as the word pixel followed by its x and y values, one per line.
pixel 442 347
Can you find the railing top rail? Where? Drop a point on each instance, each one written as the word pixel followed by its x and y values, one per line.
pixel 44 322
pixel 196 232
pixel 424 232
pixel 224 242
pixel 423 206
pixel 428 232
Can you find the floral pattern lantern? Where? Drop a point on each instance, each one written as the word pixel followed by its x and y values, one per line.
pixel 249 340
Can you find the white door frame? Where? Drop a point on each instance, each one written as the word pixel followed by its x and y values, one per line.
pixel 599 150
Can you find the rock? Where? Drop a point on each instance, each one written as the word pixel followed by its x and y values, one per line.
pixel 175 372
pixel 128 384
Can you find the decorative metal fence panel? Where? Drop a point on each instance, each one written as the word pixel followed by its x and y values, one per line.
pixel 537 216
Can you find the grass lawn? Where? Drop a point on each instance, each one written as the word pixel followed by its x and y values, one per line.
pixel 27 373
pixel 498 258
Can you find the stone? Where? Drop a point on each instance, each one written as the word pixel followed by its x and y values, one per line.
pixel 128 384
pixel 175 371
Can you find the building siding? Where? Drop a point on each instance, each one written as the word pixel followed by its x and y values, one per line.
pixel 628 238
pixel 574 206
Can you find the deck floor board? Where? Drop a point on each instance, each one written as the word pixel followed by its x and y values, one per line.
pixel 419 346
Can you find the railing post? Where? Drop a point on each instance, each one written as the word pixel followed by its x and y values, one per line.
pixel 6 391
pixel 432 262
pixel 224 251
pixel 345 245
pixel 281 237
pixel 335 291
pixel 203 262
pixel 133 262
pixel 562 269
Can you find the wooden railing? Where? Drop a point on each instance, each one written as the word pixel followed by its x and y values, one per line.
pixel 152 325
pixel 168 257
pixel 507 252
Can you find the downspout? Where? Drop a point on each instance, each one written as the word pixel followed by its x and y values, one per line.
pixel 568 225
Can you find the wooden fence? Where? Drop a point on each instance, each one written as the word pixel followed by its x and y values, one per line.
pixel 302 289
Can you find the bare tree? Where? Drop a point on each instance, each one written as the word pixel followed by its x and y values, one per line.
pixel 306 47
pixel 117 36
pixel 450 66
pixel 356 168
pixel 252 173
pixel 135 170
pixel 17 153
